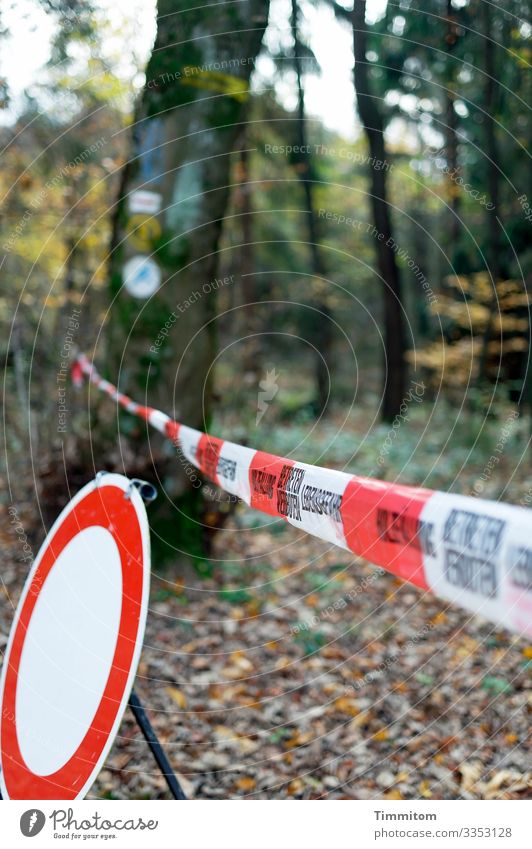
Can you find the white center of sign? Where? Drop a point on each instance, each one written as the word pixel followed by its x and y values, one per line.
pixel 68 651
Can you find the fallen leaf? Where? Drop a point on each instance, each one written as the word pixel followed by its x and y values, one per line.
pixel 470 773
pixel 424 789
pixel 380 736
pixel 439 618
pixel 346 705
pixel 295 786
pixel 496 685
pixel 179 698
pixel 423 678
pixel 223 732
pixel 393 794
pixel 246 783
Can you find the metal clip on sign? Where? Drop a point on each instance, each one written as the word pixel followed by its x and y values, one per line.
pixel 146 490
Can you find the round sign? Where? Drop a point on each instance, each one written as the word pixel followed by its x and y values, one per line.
pixel 142 276
pixel 74 644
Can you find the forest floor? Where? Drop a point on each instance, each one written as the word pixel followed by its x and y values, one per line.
pixel 295 670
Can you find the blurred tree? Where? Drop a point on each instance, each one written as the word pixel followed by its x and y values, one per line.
pixel 373 124
pixel 457 71
pixel 464 313
pixel 370 115
pixel 59 161
pixel 452 36
pixel 186 125
pixel 492 222
pixel 416 55
pixel 321 323
pixel 248 293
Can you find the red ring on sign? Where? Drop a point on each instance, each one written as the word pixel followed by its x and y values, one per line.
pixel 107 507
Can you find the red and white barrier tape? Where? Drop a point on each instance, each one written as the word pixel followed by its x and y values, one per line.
pixel 466 550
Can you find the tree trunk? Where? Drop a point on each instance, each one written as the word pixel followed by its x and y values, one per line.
pixel 188 121
pixel 321 324
pixel 420 244
pixel 394 333
pixel 160 348
pixel 451 135
pixel 248 317
pixel 492 157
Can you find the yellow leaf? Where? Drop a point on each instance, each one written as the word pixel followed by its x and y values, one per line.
pixel 346 705
pixel 528 652
pixel 393 794
pixel 246 783
pixel 331 688
pixel 361 719
pixel 179 698
pixel 224 733
pixel 424 789
pixel 439 618
pixel 298 738
pixel 239 659
pixel 253 608
pixel 380 736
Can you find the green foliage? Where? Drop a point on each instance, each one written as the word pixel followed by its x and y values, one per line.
pixel 311 641
pixel 235 596
pixel 178 529
pixel 496 686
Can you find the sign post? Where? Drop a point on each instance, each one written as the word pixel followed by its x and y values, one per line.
pixel 75 643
